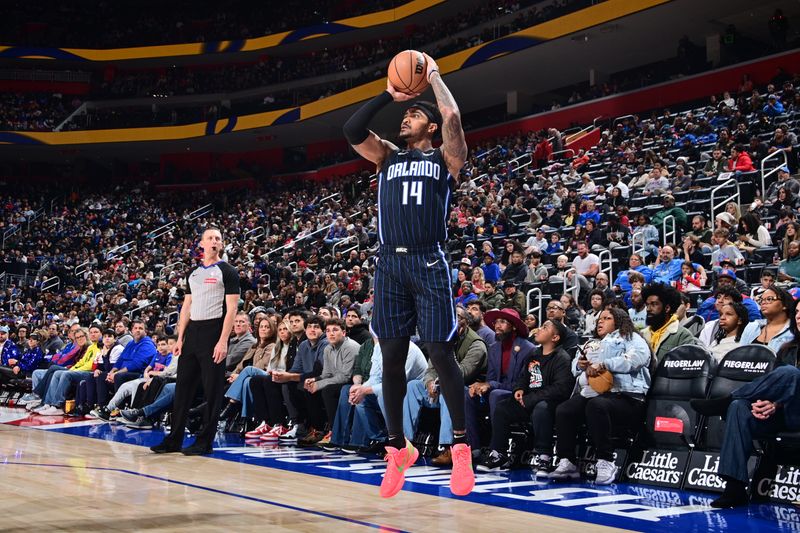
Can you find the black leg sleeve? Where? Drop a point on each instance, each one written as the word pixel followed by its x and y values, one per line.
pixel 450 380
pixel 395 352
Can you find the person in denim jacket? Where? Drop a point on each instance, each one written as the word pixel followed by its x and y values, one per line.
pixel 777 306
pixel 626 356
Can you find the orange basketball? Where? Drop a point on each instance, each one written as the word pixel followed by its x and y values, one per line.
pixel 408 72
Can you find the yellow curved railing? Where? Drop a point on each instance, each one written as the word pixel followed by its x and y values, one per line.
pixel 553 29
pixel 220 47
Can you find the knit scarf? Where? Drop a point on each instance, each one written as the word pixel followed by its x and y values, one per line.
pixel 655 336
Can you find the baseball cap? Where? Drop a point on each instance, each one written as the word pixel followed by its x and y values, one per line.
pixel 465 261
pixel 4 329
pixel 784 168
pixel 727 273
pixel 726 218
pixel 470 245
pixel 302 264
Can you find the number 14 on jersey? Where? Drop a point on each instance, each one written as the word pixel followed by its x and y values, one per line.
pixel 414 190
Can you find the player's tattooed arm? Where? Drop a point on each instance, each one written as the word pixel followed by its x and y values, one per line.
pixel 454 144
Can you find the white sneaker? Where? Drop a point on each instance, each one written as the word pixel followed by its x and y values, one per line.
pixel 565 470
pixel 606 472
pixel 33 404
pixel 41 408
pixel 29 397
pixel 52 410
pixel 290 436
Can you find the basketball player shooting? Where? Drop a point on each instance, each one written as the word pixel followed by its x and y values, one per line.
pixel 412 277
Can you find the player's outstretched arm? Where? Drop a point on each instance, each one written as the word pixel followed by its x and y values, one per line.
pixel 454 146
pixel 365 141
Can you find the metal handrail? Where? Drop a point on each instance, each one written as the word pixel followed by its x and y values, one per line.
pixel 673 233
pixel 575 289
pixel 158 232
pixel 169 318
pixel 250 234
pixel 538 307
pixel 488 152
pixel 348 250
pixel 128 247
pixel 39 213
pixel 526 154
pixel 78 271
pixel 8 233
pixel 564 152
pixel 342 242
pixel 170 267
pixel 773 155
pixel 266 275
pixel 296 211
pixel 289 266
pixel 129 314
pixel 581 131
pixel 50 283
pixel 601 254
pixel 200 211
pixel 722 203
pixel 639 233
pixel 292 244
pixel 623 117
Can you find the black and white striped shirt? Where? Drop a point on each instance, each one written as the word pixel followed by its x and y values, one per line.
pixel 208 286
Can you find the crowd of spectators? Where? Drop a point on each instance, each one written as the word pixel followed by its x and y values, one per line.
pixel 523 217
pixel 35 112
pixel 51 23
pixel 351 58
pixel 365 60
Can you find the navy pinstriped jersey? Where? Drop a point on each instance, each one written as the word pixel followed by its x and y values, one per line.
pixel 413 198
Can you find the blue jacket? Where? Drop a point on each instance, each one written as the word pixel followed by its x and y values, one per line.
pixel 464 300
pixel 666 272
pixel 520 351
pixel 622 279
pixel 308 361
pixel 709 312
pixel 136 355
pixel 160 362
pixel 553 248
pixel 491 272
pixel 589 215
pixel 10 351
pixel 627 360
pixel 773 110
pixel 29 361
pixel 753 330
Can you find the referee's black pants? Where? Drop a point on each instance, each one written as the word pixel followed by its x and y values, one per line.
pixel 195 366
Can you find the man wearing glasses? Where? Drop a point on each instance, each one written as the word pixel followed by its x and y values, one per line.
pixel 556 312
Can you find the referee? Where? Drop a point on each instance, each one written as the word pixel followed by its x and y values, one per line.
pixel 209 307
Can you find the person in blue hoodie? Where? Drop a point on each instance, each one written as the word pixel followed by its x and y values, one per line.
pixel 15 366
pixel 635 262
pixel 131 363
pixel 491 271
pixel 668 266
pixel 773 107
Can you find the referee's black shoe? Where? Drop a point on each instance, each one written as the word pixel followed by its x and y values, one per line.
pixel 165 447
pixel 198 449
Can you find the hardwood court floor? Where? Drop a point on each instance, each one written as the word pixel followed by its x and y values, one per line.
pixel 53 481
